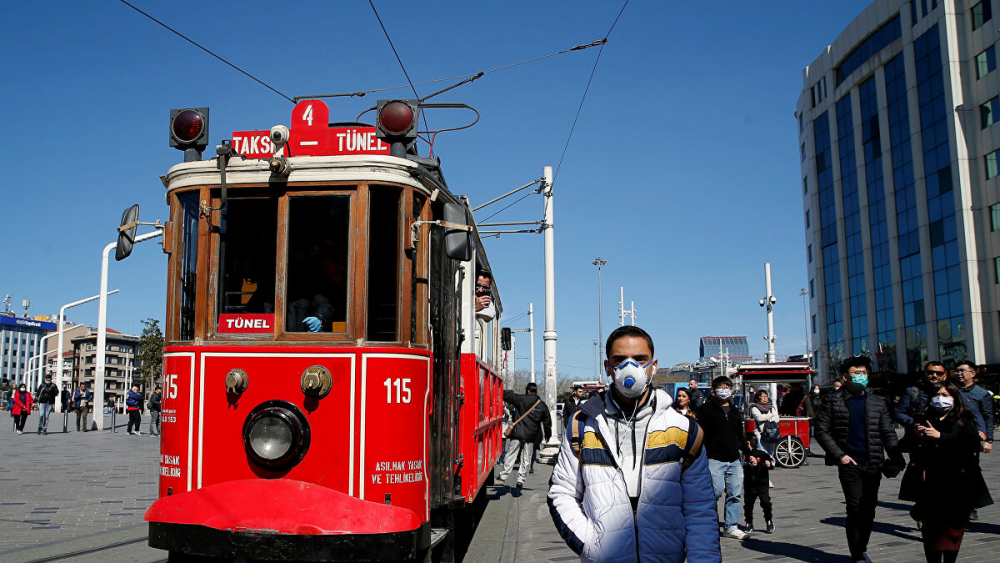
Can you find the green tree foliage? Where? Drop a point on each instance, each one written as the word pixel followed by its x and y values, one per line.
pixel 150 352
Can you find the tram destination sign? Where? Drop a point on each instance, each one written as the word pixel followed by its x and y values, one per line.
pixel 310 135
pixel 245 323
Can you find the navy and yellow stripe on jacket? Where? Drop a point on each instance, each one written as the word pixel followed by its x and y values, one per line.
pixel 671 445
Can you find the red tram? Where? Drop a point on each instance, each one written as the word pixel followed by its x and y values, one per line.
pixel 329 392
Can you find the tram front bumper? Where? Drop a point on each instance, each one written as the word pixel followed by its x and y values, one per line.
pixel 283 519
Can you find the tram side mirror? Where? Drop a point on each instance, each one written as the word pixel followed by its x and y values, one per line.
pixel 126 233
pixel 457 242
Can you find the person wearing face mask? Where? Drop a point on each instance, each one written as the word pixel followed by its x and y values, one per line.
pixel 943 478
pixel 979 401
pixel 854 429
pixel 22 401
pixel 632 482
pixel 726 446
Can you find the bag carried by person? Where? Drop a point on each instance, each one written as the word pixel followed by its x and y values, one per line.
pixel 770 432
pixel 507 432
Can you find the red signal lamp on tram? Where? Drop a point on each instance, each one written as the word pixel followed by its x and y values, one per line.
pixel 189 132
pixel 396 123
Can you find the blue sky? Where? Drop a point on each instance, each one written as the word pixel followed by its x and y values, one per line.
pixel 683 171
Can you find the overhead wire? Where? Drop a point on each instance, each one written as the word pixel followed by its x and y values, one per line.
pixel 406 74
pixel 196 44
pixel 587 89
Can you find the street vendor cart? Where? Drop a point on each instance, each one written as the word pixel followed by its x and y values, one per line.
pixel 793 447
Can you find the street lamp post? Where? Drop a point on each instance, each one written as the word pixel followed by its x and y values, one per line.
pixel 768 301
pixel 600 303
pixel 62 330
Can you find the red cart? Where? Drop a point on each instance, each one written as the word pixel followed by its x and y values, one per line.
pixel 794 444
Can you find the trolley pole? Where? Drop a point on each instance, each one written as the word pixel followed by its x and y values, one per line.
pixel 549 336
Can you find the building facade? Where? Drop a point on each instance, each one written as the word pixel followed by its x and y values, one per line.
pixel 120 362
pixel 899 187
pixel 714 346
pixel 20 339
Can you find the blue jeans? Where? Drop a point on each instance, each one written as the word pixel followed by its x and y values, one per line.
pixel 44 410
pixel 727 476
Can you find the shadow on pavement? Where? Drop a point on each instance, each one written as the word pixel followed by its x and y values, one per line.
pixel 983 528
pixel 792 551
pixel 904 532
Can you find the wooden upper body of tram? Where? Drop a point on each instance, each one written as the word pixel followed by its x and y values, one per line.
pixel 329 391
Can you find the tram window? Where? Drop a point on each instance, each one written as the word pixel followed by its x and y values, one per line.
pixel 189 263
pixel 318 237
pixel 383 261
pixel 247 245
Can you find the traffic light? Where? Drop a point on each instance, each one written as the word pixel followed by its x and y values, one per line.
pixel 505 338
pixel 397 124
pixel 189 132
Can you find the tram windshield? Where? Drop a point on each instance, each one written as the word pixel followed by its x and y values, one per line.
pixel 247 243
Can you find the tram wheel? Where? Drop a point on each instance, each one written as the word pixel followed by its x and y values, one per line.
pixel 790 452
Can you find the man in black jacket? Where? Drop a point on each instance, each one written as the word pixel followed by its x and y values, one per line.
pixel 725 446
pixel 47 394
pixel 155 406
pixel 696 395
pixel 573 404
pixel 854 428
pixel 522 438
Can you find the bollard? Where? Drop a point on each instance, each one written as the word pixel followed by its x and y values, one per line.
pixel 113 413
pixel 65 421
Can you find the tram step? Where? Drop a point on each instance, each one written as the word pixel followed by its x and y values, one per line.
pixel 437 535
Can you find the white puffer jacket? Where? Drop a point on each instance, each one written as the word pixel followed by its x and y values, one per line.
pixel 675 518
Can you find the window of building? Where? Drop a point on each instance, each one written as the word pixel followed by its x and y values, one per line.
pixel 809 252
pixel 802 124
pixel 808 225
pixel 812 287
pixel 995 216
pixel 802 150
pixel 814 323
pixel 805 185
pixel 991 165
pixel 988 112
pixel 981 13
pixel 877 41
pixel 996 270
pixel 986 62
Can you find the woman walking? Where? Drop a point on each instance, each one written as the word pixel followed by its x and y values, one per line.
pixel 943 477
pixel 763 412
pixel 682 402
pixel 22 402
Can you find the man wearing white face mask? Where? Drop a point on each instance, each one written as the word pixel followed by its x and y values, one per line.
pixel 726 445
pixel 632 482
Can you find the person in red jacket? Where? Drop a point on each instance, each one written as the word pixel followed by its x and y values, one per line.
pixel 22 406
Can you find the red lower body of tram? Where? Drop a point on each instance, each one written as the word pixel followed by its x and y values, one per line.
pixel 269 471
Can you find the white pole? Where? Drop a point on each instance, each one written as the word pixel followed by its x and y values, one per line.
pixel 632 313
pixel 513 353
pixel 769 301
pixel 531 337
pixel 102 325
pixel 549 336
pixel 62 331
pixel 621 307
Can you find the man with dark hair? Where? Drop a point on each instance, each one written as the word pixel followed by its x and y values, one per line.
pixel 155 406
pixel 533 417
pixel 725 445
pixel 696 395
pixel 484 298
pixel 631 482
pixel 574 403
pixel 854 429
pixel 47 394
pixel 917 396
pixel 81 404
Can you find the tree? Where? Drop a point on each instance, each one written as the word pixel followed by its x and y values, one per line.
pixel 150 352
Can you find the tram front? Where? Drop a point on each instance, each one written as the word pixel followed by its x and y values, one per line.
pixel 299 371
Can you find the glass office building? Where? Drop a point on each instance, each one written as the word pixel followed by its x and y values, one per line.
pixel 736 346
pixel 901 199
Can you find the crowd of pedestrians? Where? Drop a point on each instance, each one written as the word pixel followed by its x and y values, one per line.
pixel 640 474
pixel 20 402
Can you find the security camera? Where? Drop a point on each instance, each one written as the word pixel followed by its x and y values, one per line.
pixel 773 300
pixel 761 302
pixel 279 135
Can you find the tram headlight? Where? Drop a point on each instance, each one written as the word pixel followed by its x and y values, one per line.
pixel 276 435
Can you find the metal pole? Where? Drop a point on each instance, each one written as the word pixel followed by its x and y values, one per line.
pixel 531 337
pixel 597 360
pixel 549 336
pixel 62 331
pixel 805 320
pixel 600 300
pixel 102 323
pixel 621 307
pixel 632 313
pixel 769 301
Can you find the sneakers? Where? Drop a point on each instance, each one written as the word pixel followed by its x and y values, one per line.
pixel 974 515
pixel 749 527
pixel 770 484
pixel 866 558
pixel 520 484
pixel 735 533
pixel 770 526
